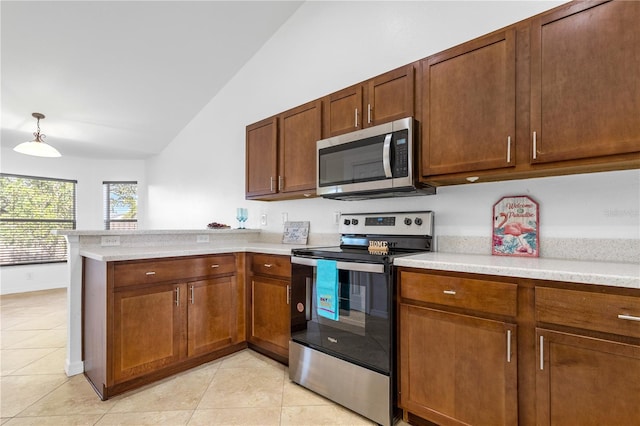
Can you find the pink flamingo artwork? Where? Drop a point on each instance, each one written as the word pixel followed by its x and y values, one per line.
pixel 517 230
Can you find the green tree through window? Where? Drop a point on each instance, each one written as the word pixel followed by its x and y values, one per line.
pixel 120 205
pixel 30 208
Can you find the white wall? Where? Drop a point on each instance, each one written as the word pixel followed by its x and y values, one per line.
pixel 90 174
pixel 327 46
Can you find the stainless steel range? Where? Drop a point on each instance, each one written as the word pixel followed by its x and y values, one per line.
pixel 343 318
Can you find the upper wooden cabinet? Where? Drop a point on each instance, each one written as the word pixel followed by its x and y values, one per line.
pixel 261 158
pixel 300 129
pixel 384 98
pixel 585 81
pixel 469 106
pixel 281 154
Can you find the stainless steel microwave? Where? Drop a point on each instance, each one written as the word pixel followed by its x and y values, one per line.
pixel 376 162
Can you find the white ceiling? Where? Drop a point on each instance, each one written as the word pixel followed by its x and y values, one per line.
pixel 120 79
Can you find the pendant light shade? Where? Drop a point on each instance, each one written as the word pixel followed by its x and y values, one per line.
pixel 37 146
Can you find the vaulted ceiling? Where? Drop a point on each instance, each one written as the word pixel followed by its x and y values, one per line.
pixel 120 79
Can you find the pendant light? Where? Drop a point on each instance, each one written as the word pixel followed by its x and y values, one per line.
pixel 37 147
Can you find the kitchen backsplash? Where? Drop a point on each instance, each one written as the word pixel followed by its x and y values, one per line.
pixel 596 249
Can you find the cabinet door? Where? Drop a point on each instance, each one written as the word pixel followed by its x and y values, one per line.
pixel 468 118
pixel 147 330
pixel 390 96
pixel 457 369
pixel 586 381
pixel 343 111
pixel 261 158
pixel 585 94
pixel 300 129
pixel 270 325
pixel 211 315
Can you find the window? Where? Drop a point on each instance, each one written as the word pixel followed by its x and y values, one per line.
pixel 30 208
pixel 120 205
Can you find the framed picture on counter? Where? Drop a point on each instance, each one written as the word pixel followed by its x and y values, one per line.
pixel 515 227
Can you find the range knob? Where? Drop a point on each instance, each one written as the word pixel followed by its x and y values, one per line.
pixel 347 222
pixel 407 221
pixel 354 221
pixel 418 221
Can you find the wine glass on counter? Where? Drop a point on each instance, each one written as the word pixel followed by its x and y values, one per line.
pixel 241 215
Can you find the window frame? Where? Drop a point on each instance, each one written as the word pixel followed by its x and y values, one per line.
pixel 73 221
pixel 106 204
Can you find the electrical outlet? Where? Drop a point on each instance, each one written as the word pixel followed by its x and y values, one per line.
pixel 285 217
pixel 336 218
pixel 263 219
pixel 111 240
pixel 202 239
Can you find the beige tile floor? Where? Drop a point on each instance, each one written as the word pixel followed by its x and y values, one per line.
pixel 245 388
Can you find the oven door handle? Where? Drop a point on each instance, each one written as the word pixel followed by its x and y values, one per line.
pixel 376 268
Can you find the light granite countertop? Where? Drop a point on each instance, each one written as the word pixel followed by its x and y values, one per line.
pixel 576 271
pixel 109 254
pixel 587 272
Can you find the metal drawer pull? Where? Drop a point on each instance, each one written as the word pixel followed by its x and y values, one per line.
pixel 151 273
pixel 215 265
pixel 453 292
pixel 177 296
pixel 628 317
pixel 508 149
pixel 192 295
pixel 508 345
pixel 541 352
pixel 268 265
pixel 535 146
pixel 288 294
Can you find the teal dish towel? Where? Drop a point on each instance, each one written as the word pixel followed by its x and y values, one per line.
pixel 327 289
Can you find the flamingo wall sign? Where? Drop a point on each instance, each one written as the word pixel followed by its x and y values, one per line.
pixel 515 227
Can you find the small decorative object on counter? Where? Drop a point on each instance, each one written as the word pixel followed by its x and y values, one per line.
pixel 216 225
pixel 515 227
pixel 295 233
pixel 242 215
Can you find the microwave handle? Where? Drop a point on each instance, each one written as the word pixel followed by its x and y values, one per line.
pixel 386 155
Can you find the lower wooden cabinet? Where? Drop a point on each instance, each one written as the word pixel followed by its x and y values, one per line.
pixel 457 369
pixel 137 333
pixel 586 381
pixel 147 330
pixel 211 315
pixel 270 325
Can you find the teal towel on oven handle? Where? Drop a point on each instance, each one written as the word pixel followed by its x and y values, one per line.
pixel 327 289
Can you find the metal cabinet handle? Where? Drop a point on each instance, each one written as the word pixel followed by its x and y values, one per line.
pixel 628 317
pixel 288 294
pixel 356 118
pixel 192 298
pixel 541 352
pixel 535 146
pixel 508 149
pixel 452 292
pixel 508 345
pixel 369 113
pixel 271 183
pixel 268 265
pixel 150 273
pixel 177 296
pixel 280 183
pixel 215 265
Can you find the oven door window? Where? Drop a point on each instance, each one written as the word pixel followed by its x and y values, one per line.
pixel 363 329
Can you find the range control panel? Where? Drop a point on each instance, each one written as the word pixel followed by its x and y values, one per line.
pixel 392 223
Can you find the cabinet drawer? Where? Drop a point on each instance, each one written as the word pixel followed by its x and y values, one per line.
pixel 608 313
pixel 268 264
pixel 127 274
pixel 478 295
